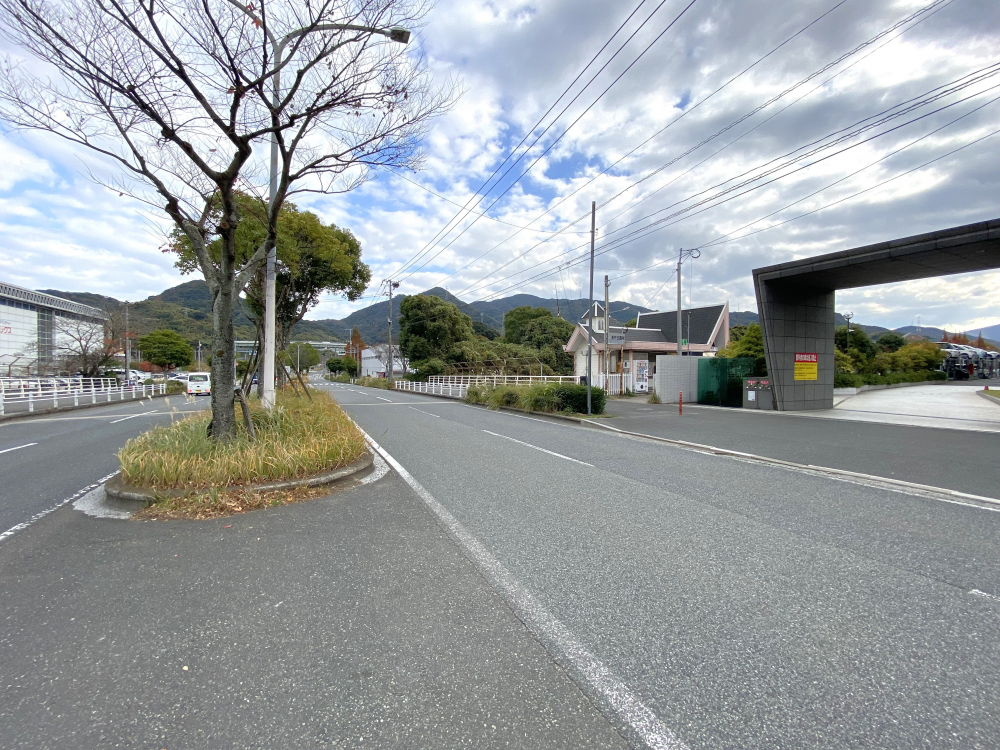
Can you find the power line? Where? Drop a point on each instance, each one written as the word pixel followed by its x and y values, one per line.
pixel 570 126
pixel 521 143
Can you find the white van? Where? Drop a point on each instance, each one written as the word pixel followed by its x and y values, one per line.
pixel 199 383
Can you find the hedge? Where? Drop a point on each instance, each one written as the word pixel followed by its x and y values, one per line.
pixel 849 380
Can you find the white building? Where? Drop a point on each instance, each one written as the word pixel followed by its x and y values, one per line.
pixel 705 330
pixel 30 339
pixel 373 367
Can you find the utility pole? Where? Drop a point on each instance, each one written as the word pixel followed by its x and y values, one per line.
pixel 680 257
pixel 128 350
pixel 607 331
pixel 590 327
pixel 395 285
pixel 689 334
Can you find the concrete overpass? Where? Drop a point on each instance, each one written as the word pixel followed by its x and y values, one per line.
pixel 796 300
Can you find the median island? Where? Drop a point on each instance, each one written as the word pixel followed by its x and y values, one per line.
pixel 297 451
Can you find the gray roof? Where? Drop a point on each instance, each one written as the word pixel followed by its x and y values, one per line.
pixel 703 323
pixel 48 301
pixel 632 335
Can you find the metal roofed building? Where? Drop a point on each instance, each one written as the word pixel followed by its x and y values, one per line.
pixel 655 333
pixel 30 340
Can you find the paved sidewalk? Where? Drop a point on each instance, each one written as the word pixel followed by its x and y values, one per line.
pixel 348 622
pixel 960 460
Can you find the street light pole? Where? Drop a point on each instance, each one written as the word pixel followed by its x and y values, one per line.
pixel 590 325
pixel 392 285
pixel 278 47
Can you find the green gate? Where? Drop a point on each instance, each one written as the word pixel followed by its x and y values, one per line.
pixel 720 380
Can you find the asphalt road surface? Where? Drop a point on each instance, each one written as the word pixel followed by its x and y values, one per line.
pixel 595 577
pixel 46 459
pixel 956 459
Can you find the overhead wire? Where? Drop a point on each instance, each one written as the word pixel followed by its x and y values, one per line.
pixel 918 16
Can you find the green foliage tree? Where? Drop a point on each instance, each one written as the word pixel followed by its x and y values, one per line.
pixel 859 340
pixel 429 327
pixel 548 334
pixel 515 320
pixel 736 333
pixel 481 329
pixel 750 344
pixel 890 342
pixel 350 366
pixel 164 348
pixel 335 364
pixel 300 356
pixel 312 259
pixel 632 323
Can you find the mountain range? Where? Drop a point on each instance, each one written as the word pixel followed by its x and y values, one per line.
pixel 187 309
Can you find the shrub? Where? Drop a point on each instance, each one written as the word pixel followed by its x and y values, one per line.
pixel 541 397
pixel 653 399
pixel 175 387
pixel 504 395
pixel 573 398
pixel 369 382
pixel 476 394
pixel 847 380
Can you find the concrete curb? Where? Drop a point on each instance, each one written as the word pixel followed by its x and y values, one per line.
pixel 991 399
pixel 61 409
pixel 126 497
pixel 840 473
pixel 866 388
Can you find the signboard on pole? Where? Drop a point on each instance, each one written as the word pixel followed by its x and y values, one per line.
pixel 806 366
pixel 642 376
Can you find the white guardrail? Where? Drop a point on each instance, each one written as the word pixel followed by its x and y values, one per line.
pixel 454 390
pixel 500 379
pixel 47 393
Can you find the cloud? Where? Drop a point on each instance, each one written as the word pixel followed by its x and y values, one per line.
pixel 516 59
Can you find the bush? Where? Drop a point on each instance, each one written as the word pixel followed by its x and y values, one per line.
pixel 847 380
pixel 573 398
pixel 653 399
pixel 175 387
pixel 340 377
pixel 368 382
pixel 298 438
pixel 476 394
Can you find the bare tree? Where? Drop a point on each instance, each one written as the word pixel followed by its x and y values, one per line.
pixel 83 345
pixel 386 357
pixel 181 96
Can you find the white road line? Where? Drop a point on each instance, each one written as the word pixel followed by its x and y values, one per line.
pixel 984 595
pixel 384 399
pixel 543 450
pixel 133 416
pixel 436 416
pixel 26 445
pixel 38 516
pixel 942 494
pixel 612 694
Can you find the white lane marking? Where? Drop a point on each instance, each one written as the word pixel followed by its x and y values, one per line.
pixel 436 416
pixel 40 515
pixel 26 445
pixel 380 470
pixel 942 494
pixel 543 450
pixel 984 595
pixel 384 399
pixel 94 504
pixel 611 692
pixel 133 416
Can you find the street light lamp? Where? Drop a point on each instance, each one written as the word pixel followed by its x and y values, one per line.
pixel 278 47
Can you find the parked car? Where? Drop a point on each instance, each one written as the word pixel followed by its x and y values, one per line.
pixel 199 383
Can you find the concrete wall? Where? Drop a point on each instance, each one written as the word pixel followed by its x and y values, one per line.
pixel 796 319
pixel 675 375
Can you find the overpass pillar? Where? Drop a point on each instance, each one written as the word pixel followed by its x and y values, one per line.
pixel 798 327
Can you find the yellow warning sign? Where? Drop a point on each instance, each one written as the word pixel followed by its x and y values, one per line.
pixel 806 366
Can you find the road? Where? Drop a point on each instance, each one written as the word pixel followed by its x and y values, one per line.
pixel 46 459
pixel 960 460
pixel 748 605
pixel 741 604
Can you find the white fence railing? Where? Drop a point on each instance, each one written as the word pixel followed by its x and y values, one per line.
pixel 24 386
pixel 500 379
pixel 454 390
pixel 615 384
pixel 82 393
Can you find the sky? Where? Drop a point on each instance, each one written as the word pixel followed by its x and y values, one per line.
pixel 673 128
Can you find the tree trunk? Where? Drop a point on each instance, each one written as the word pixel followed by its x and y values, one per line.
pixel 223 396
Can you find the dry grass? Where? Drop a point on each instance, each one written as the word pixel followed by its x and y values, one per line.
pixel 299 438
pixel 215 504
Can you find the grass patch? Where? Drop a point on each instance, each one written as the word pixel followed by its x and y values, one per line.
pixel 653 399
pixel 299 438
